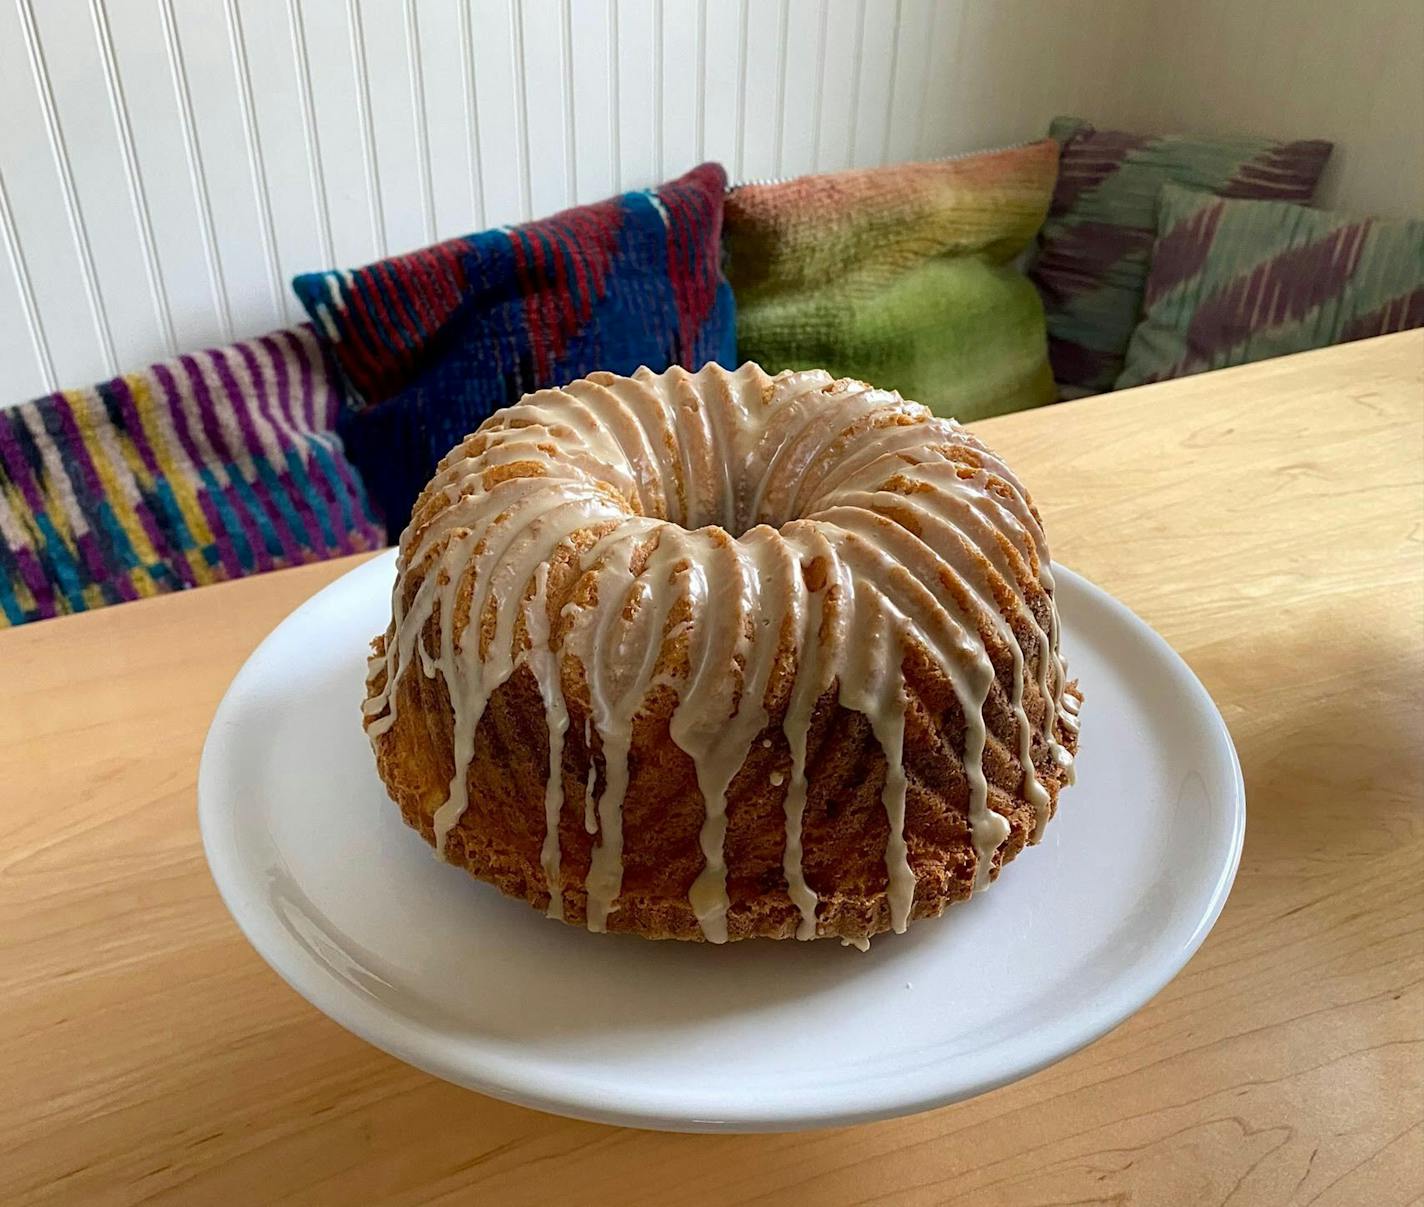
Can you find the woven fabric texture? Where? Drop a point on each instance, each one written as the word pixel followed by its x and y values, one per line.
pixel 900 276
pixel 1095 248
pixel 1239 281
pixel 199 469
pixel 433 342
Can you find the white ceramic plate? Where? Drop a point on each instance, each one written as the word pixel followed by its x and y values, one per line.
pixel 353 911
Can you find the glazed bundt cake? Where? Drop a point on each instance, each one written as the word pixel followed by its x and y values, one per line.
pixel 717 655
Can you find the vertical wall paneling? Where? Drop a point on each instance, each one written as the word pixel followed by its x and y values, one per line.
pixel 566 43
pixel 184 242
pixel 392 114
pixel 592 100
pixel 175 69
pixel 840 69
pixel 700 105
pixel 370 160
pixel 545 107
pixel 909 83
pixel 166 166
pixel 40 252
pixel 760 94
pixel 133 178
pixel 311 136
pixel 615 94
pixel 655 104
pixel 324 35
pixel 679 85
pixel 521 111
pixel 876 71
pixel 256 157
pixel 802 80
pixel 635 46
pixel 721 79
pixel 226 167
pixel 446 114
pixel 779 118
pixel 499 110
pixel 23 347
pixel 472 113
pixel 415 57
pixel 290 192
pixel 44 201
pixel 942 63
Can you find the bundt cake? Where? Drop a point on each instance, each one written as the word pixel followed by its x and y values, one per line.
pixel 717 655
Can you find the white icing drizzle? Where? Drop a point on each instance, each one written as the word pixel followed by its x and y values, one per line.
pixel 793 521
pixel 812 681
pixel 608 651
pixel 720 711
pixel 543 660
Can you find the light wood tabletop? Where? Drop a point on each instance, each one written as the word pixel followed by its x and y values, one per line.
pixel 1268 521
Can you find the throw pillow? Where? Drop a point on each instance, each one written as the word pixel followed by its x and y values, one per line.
pixel 435 341
pixel 900 276
pixel 1095 247
pixel 1238 281
pixel 199 469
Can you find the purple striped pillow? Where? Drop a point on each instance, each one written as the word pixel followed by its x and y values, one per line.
pixel 203 468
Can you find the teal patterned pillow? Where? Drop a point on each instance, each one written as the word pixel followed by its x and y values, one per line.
pixel 1238 281
pixel 1096 245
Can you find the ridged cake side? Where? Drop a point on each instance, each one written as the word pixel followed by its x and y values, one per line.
pixel 593 694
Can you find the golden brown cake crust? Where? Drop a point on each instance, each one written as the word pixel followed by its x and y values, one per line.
pixel 845 832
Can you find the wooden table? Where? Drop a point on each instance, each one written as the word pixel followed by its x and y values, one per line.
pixel 1269 521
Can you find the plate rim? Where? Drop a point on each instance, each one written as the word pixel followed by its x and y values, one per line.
pixel 418 1044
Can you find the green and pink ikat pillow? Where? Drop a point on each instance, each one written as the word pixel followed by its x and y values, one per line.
pixel 1239 281
pixel 1096 246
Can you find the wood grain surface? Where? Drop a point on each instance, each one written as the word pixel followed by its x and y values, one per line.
pixel 1268 520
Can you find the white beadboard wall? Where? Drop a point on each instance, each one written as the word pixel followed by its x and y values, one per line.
pixel 166 166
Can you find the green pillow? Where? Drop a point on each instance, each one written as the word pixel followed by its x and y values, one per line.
pixel 1238 281
pixel 903 277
